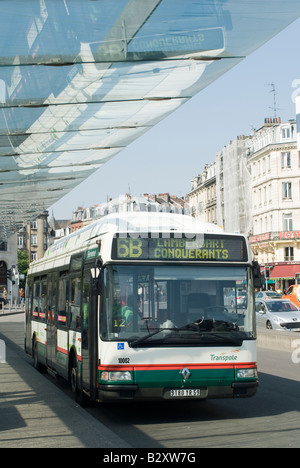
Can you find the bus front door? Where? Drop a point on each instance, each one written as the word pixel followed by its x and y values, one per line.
pixel 89 334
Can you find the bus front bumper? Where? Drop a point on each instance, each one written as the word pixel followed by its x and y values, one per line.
pixel 111 392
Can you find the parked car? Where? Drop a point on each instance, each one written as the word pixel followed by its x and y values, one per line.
pixel 268 295
pixel 235 298
pixel 277 314
pixel 293 294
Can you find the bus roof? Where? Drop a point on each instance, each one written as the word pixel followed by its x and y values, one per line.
pixel 144 222
pixel 136 222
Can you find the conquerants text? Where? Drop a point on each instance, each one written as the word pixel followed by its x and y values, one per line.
pixel 172 249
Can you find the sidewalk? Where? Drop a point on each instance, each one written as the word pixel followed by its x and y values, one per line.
pixel 34 413
pixel 11 309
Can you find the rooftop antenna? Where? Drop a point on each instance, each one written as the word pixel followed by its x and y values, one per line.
pixel 273 90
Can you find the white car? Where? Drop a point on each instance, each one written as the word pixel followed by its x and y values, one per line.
pixel 277 314
pixel 236 299
pixel 267 295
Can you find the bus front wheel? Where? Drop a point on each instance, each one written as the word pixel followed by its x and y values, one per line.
pixel 36 364
pixel 78 393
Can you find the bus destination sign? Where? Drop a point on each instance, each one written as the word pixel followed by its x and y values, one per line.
pixel 218 248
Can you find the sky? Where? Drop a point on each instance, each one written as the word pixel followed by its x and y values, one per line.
pixel 168 156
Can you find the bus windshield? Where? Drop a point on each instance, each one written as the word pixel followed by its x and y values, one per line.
pixel 177 305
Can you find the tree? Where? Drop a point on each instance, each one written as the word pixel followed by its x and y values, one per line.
pixel 23 265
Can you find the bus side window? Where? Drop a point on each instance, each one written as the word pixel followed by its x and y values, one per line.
pixel 85 309
pixel 36 299
pixel 75 301
pixel 28 297
pixel 63 300
pixel 43 300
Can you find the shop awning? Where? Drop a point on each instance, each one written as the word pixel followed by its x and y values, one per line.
pixel 285 271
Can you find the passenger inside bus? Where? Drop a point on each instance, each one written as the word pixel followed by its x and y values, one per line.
pixel 132 313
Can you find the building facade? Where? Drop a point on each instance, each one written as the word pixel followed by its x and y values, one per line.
pixel 162 202
pixel 233 186
pixel 257 185
pixel 202 197
pixel 275 169
pixel 8 268
pixel 36 242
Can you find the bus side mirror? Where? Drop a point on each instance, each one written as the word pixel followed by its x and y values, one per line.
pixel 256 275
pixel 97 277
pixel 97 286
pixel 97 283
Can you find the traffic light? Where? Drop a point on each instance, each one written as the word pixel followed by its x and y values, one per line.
pixel 8 274
pixel 268 272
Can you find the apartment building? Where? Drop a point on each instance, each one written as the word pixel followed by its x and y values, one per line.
pixel 274 164
pixel 202 197
pixel 162 202
pixel 8 262
pixel 233 186
pixel 257 186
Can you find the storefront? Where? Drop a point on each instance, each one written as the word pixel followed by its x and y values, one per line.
pixel 279 276
pixel 285 274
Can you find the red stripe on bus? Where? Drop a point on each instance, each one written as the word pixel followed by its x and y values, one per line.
pixel 64 351
pixel 151 367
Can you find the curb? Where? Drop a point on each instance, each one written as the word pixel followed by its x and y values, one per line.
pixel 280 340
pixel 5 314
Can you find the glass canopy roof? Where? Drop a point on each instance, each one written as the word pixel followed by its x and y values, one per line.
pixel 81 79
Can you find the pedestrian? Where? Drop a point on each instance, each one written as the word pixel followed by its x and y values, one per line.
pixel 22 296
pixel 4 293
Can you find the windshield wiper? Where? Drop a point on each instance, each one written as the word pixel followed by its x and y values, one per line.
pixel 203 335
pixel 236 340
pixel 134 343
pixel 208 325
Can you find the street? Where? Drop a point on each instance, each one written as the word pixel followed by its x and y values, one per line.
pixel 270 419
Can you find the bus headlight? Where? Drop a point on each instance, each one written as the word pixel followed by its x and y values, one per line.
pixel 116 376
pixel 246 373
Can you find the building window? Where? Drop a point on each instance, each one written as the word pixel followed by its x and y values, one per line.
pixel 288 222
pixel 289 254
pixel 33 239
pixel 260 197
pixel 271 223
pixel 286 132
pixel 33 256
pixel 270 193
pixel 286 160
pixel 287 190
pixel 3 246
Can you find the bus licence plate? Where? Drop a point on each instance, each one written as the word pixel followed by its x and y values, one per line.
pixel 186 392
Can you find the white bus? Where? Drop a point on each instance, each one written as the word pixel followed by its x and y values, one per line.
pixel 134 307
